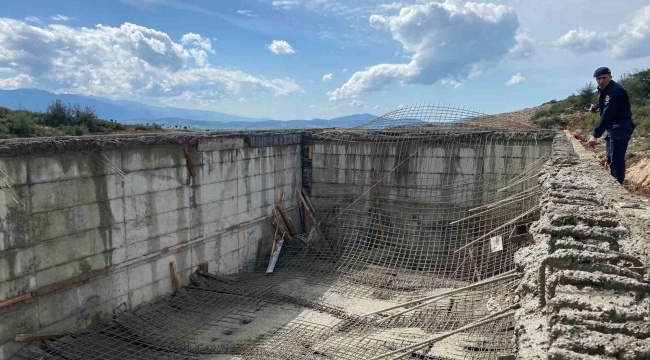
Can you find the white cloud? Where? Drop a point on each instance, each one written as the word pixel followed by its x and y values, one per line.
pixel 129 61
pixel 437 37
pixel 16 82
pixel 196 40
pixel 344 70
pixel 60 17
pixel 516 79
pixel 280 47
pixel 328 77
pixel 357 103
pixel 313 106
pixel 389 7
pixel 247 13
pixel 634 41
pixel 580 41
pixel 524 49
pixel 32 19
pixel 631 41
pixel 285 4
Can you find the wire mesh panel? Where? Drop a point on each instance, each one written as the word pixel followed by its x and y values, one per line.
pixel 422 203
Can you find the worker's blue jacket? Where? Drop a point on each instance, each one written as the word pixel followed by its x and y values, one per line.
pixel 615 112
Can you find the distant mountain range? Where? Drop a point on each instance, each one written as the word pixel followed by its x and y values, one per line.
pixel 131 112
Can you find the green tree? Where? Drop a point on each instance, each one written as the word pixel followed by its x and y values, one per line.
pixel 587 95
pixel 58 114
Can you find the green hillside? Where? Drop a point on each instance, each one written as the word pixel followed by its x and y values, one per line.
pixel 60 120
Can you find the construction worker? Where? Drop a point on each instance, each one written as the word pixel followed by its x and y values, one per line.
pixel 615 118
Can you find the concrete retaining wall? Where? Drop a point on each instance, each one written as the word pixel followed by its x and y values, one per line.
pixel 81 218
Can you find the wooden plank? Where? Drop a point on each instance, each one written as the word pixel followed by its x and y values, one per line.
pixel 175 281
pixel 286 220
pixel 311 152
pixel 213 276
pixel 308 200
pixel 203 267
pixel 305 215
pixel 36 337
pixel 277 228
pixel 15 300
pixel 190 164
pixel 274 257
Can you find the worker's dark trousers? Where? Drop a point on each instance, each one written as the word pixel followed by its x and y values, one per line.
pixel 616 146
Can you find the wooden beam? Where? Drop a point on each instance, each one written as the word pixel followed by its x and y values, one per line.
pixel 203 267
pixel 213 276
pixel 36 337
pixel 175 281
pixel 311 152
pixel 274 256
pixel 190 164
pixel 287 222
pixel 15 300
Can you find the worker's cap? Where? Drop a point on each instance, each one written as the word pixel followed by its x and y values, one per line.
pixel 602 71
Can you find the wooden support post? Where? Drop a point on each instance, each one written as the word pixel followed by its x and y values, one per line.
pixel 305 215
pixel 311 152
pixel 286 220
pixel 175 281
pixel 203 267
pixel 190 164
pixel 36 337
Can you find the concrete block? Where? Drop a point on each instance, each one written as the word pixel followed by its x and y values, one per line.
pixel 79 245
pixel 224 156
pixel 14 221
pixel 250 184
pixel 230 189
pixel 63 304
pixel 17 286
pixel 18 319
pixel 73 269
pixel 207 251
pixel 218 172
pixel 152 203
pixel 158 157
pixel 16 263
pixel 151 292
pixel 229 242
pixel 157 225
pixel 70 166
pixel 220 144
pixel 146 181
pixel 209 229
pixel 150 246
pixel 67 193
pixel 15 169
pixel 141 275
pixel 208 193
pixel 57 223
pixel 229 207
pixel 91 313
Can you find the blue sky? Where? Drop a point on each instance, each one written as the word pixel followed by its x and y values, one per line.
pixel 293 59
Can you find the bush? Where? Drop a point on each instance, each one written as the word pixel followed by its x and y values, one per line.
pixel 551 122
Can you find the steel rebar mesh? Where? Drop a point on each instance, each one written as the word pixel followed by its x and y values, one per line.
pixel 397 203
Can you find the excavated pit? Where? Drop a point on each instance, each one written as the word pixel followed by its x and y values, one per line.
pixel 401 214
